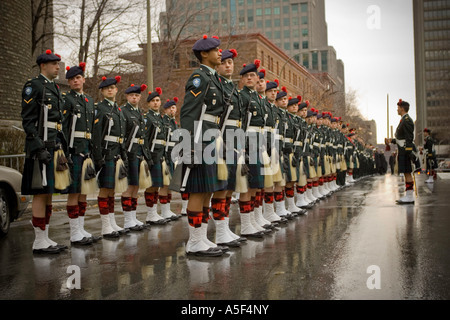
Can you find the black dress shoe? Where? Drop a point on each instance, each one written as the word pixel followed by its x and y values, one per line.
pixel 49 250
pixel 158 222
pixel 258 234
pixel 211 252
pixel 136 228
pixel 232 244
pixel 96 238
pixel 123 231
pixel 61 247
pixel 112 235
pixel 83 242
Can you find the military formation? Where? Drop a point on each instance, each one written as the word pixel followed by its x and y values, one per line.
pixel 270 151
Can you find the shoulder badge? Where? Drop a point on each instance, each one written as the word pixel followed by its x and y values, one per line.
pixel 196 82
pixel 28 90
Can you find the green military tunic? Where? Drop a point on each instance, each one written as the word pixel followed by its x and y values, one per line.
pixel 135 143
pixel 78 110
pixel 253 109
pixel 203 87
pixel 108 146
pixel 35 93
pixel 155 135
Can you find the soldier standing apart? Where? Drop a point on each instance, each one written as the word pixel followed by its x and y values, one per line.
pixel 404 136
pixel 202 107
pixel 137 154
pixel 78 125
pixel 42 104
pixel 110 156
pixel 430 156
pixel 156 137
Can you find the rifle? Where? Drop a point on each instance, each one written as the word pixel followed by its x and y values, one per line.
pixel 226 112
pixel 45 137
pixel 132 136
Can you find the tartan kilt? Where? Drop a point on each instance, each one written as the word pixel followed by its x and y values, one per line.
pixel 255 176
pixel 133 171
pixel 75 173
pixel 404 162
pixel 157 174
pixel 203 179
pixel 107 176
pixel 26 187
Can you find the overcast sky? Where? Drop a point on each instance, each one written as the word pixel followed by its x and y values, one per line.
pixel 378 57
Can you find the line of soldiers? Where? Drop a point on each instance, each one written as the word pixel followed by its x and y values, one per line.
pixel 287 158
pixel 77 147
pixel 284 157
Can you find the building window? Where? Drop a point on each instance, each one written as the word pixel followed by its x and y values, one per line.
pixel 304 7
pixel 296 45
pixel 304 44
pixel 305 60
pixel 304 19
pixel 324 60
pixel 315 61
pixel 259 12
pixel 305 32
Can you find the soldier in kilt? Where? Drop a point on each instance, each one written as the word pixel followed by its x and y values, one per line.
pixel 308 156
pixel 42 105
pixel 78 126
pixel 430 156
pixel 110 156
pixel 266 136
pixel 292 155
pixel 281 102
pixel 271 131
pixel 404 138
pixel 300 153
pixel 137 154
pixel 202 107
pixel 221 200
pixel 155 134
pixel 253 109
pixel 170 125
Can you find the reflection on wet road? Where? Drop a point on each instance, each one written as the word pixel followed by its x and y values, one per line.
pixel 324 255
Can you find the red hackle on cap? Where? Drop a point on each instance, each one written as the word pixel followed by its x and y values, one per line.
pixel 263 71
pixel 284 89
pixel 257 63
pixel 143 87
pixel 215 37
pixel 175 99
pixel 82 65
pixel 159 90
pixel 277 81
pixel 234 52
pixel 118 78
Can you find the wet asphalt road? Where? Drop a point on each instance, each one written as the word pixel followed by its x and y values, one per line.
pixel 329 254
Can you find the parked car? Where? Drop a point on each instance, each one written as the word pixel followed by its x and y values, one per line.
pixel 12 202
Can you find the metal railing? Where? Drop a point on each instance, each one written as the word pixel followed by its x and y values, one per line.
pixel 14 161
